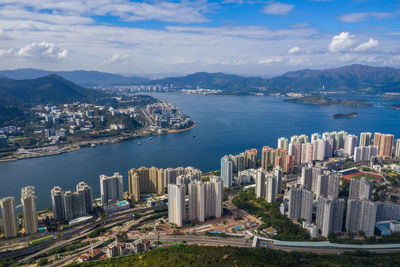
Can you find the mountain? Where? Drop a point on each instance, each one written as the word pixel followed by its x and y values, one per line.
pixel 81 77
pixel 51 89
pixel 353 78
pixel 17 96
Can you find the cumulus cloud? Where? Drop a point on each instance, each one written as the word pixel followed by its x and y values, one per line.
pixel 358 17
pixel 278 8
pixel 42 50
pixel 298 61
pixel 294 50
pixel 118 58
pixel 341 42
pixel 367 45
pixel 270 60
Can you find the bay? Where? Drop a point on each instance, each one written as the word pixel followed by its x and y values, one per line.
pixel 225 125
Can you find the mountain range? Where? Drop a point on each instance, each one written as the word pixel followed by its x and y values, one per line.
pixel 81 77
pixel 352 78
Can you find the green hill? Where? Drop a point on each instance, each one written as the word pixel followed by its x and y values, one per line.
pixel 229 256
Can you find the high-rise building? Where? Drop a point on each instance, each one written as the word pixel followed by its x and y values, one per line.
pixel 314 182
pixel 283 142
pixel 176 204
pixel 328 185
pixel 332 215
pixel 387 211
pixel 154 181
pixel 361 188
pixel 365 139
pixel 294 203
pixel 68 201
pixel 111 188
pixel 329 146
pixel 78 203
pixel 299 139
pixel 361 216
pixel 57 199
pixel 364 153
pixel 306 177
pixel 278 174
pixel 267 157
pixel 88 195
pixel 397 149
pixel 350 144
pixel 300 203
pixel 251 158
pixel 28 201
pixel 384 142
pixel 315 137
pixel 226 171
pixel 271 181
pixel 319 147
pixel 307 198
pixel 260 183
pixel 10 223
pixel 193 202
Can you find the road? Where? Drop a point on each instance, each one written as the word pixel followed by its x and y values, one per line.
pixel 199 239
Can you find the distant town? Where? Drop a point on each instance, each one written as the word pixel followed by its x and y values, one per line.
pixel 56 129
pixel 333 191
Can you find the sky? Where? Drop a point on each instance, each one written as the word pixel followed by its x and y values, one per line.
pixel 260 38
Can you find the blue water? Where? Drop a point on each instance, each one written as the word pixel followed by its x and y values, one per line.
pixel 225 125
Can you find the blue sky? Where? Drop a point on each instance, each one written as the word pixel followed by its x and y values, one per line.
pixel 178 37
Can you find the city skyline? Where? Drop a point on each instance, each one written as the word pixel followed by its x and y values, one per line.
pixel 183 37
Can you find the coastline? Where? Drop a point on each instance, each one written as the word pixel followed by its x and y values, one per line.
pixel 79 145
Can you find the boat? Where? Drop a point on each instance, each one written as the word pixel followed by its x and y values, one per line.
pixel 139 143
pixel 194 136
pixel 93 145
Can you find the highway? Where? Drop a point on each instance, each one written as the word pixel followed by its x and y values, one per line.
pixel 73 234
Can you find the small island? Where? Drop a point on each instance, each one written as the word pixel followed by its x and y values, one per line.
pixel 345 115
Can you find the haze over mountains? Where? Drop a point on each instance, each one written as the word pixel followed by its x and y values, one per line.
pixel 352 78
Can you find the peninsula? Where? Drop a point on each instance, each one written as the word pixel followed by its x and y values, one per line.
pixel 327 101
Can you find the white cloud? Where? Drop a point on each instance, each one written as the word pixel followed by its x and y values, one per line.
pixel 80 10
pixel 270 60
pixel 342 42
pixel 118 58
pixel 294 50
pixel 358 17
pixel 367 45
pixel 278 8
pixel 298 61
pixel 42 50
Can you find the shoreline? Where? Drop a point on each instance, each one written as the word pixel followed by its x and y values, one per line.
pixel 79 145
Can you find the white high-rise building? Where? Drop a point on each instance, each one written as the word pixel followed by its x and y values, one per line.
pixel 111 188
pixel 9 214
pixel 315 137
pixel 397 148
pixel 28 201
pixel 278 174
pixel 176 204
pixel 364 153
pixel 361 188
pixel 271 182
pixel 350 144
pixel 283 142
pixel 226 171
pixel 260 183
pixel 319 147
